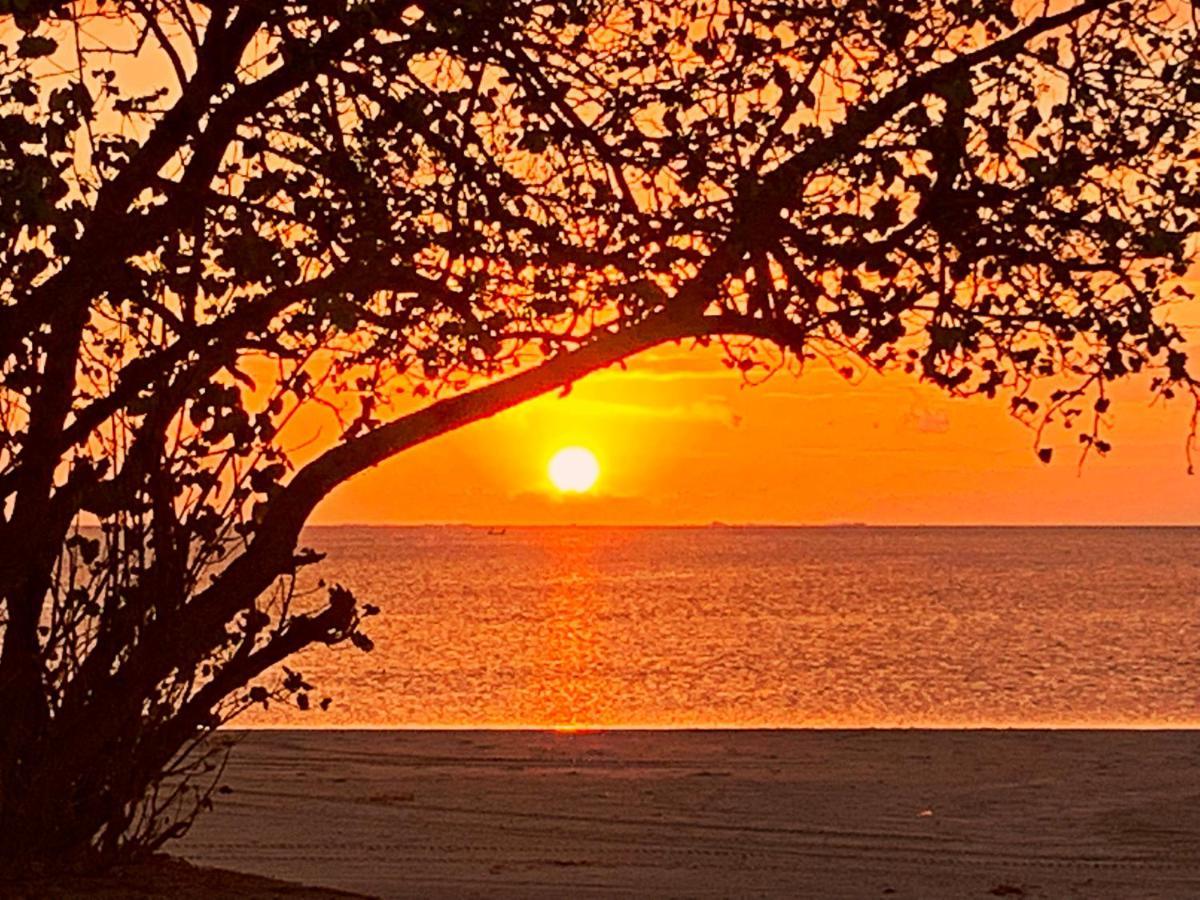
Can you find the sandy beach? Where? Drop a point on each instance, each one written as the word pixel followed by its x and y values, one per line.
pixel 714 813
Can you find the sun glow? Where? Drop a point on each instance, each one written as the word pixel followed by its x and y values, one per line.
pixel 574 470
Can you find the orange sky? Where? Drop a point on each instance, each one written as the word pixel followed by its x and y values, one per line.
pixel 681 441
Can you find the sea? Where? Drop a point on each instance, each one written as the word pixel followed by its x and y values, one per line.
pixel 580 628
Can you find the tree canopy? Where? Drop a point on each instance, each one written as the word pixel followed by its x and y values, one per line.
pixel 214 214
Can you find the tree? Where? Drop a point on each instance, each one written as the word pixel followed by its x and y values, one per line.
pixel 218 214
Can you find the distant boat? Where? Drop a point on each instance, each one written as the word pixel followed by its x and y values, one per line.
pixel 496 531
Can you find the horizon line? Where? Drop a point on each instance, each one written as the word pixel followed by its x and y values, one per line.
pixel 718 525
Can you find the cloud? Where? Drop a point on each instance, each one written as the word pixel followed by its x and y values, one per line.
pixel 667 365
pixel 925 419
pixel 709 373
pixel 695 411
pixel 590 508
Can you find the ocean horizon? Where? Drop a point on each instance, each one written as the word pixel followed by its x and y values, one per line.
pixel 500 523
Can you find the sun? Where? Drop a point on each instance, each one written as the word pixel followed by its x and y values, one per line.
pixel 574 470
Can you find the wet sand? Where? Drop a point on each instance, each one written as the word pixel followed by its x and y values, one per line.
pixel 714 813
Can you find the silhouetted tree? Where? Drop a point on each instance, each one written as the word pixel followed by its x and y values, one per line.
pixel 217 213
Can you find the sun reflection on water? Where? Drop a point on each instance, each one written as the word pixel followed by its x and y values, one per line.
pixel 567 648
